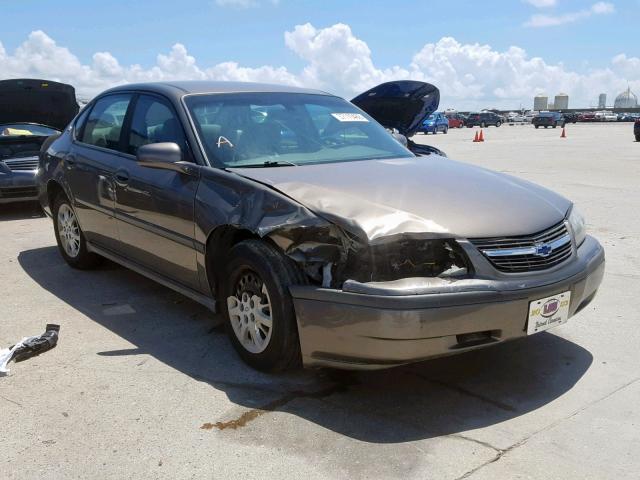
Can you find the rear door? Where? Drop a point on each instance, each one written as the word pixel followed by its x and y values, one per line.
pixel 154 207
pixel 90 165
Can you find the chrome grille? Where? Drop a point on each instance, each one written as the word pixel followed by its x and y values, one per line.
pixel 529 252
pixel 22 164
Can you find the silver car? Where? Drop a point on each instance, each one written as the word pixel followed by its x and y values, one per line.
pixel 320 237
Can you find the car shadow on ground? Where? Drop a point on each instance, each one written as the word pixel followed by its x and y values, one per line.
pixel 439 397
pixel 20 211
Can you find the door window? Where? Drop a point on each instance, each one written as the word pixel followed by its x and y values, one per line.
pixel 154 122
pixel 104 124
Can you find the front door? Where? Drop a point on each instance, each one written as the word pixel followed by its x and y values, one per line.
pixel 154 207
pixel 95 156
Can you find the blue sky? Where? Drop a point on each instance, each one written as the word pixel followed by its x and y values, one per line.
pixel 580 37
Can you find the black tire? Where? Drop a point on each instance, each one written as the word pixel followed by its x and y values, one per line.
pixel 537 126
pixel 554 125
pixel 446 130
pixel 84 259
pixel 461 125
pixel 276 273
pixel 498 124
pixel 637 138
pixel 483 125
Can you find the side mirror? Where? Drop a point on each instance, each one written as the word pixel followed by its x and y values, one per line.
pixel 159 155
pixel 164 156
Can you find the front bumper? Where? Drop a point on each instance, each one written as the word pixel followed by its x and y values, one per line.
pixel 19 186
pixel 368 331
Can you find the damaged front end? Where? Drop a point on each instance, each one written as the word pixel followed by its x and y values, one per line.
pixel 331 257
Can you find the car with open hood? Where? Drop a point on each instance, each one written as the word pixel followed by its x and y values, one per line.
pixel 318 229
pixel 30 112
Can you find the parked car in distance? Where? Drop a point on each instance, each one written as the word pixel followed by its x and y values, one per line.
pixel 636 129
pixel 514 117
pixel 588 117
pixel 456 120
pixel 570 117
pixel 484 119
pixel 434 123
pixel 30 111
pixel 548 119
pixel 319 237
pixel 608 116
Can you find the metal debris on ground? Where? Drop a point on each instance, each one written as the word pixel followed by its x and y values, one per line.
pixel 29 347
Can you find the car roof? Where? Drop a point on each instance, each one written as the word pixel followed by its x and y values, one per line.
pixel 178 89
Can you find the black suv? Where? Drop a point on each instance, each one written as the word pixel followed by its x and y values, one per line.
pixel 548 119
pixel 636 129
pixel 484 119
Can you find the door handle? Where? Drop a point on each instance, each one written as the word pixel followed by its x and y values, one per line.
pixel 121 177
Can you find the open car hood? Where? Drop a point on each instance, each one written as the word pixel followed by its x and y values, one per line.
pixel 37 101
pixel 403 104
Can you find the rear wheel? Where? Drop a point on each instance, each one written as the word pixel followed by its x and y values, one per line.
pixel 498 123
pixel 69 236
pixel 446 130
pixel 637 138
pixel 537 126
pixel 261 320
pixel 483 125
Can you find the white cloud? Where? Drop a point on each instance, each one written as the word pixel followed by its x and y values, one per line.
pixel 470 76
pixel 542 3
pixel 540 20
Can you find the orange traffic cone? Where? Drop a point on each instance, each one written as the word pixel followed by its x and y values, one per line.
pixel 481 138
pixel 563 134
pixel 476 139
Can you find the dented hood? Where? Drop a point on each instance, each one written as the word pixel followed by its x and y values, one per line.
pixel 402 105
pixel 431 195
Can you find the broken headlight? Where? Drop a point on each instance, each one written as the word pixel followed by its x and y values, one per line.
pixel 406 258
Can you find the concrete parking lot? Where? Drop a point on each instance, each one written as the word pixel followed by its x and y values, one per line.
pixel 141 385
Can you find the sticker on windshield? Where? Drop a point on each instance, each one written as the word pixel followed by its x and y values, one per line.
pixel 349 117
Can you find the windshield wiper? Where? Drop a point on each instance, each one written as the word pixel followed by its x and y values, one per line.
pixel 270 163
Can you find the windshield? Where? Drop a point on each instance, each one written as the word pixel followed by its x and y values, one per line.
pixel 25 130
pixel 276 129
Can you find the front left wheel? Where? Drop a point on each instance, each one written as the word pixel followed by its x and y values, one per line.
pixel 71 242
pixel 255 299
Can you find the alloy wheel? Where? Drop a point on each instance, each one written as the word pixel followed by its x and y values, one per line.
pixel 250 312
pixel 68 230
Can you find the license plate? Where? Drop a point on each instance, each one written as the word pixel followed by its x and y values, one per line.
pixel 548 312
